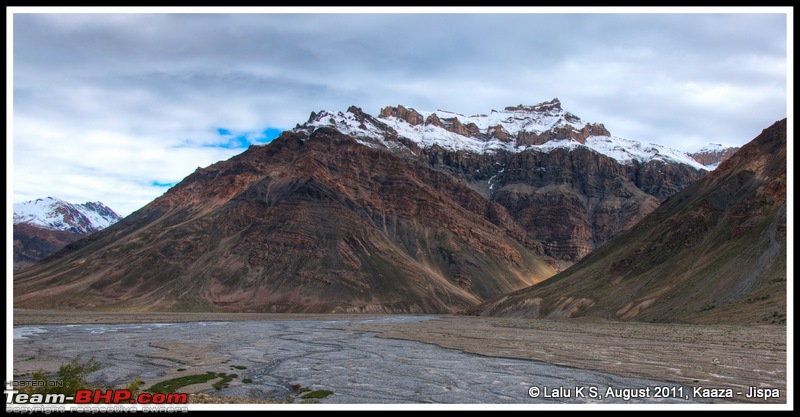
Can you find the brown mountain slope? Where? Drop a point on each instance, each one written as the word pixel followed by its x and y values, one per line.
pixel 315 223
pixel 714 252
pixel 32 243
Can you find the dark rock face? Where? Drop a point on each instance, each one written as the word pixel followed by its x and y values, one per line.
pixel 500 133
pixel 570 202
pixel 561 133
pixel 433 119
pixel 715 252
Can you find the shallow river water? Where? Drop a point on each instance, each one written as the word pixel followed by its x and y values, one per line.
pixel 357 366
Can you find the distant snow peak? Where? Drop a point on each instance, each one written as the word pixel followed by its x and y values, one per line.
pixel 57 214
pixel 541 127
pixel 713 154
pixel 713 147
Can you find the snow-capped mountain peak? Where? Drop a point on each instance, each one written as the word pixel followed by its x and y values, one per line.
pixel 541 127
pixel 56 214
pixel 713 147
pixel 713 154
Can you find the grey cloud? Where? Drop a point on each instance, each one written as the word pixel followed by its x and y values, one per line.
pixel 160 80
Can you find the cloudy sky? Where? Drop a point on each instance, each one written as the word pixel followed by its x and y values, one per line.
pixel 118 107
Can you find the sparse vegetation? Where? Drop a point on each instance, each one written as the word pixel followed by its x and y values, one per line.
pixel 170 385
pixel 320 393
pixel 299 388
pixel 239 367
pixel 135 385
pixel 306 394
pixel 247 381
pixel 760 298
pixel 223 383
pixel 69 378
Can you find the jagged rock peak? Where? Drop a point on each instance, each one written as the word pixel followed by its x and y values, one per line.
pixel 411 116
pixel 355 110
pixel 553 105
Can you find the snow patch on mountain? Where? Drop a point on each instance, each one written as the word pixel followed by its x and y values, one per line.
pixel 56 214
pixel 346 123
pixel 627 150
pixel 712 147
pixel 713 154
pixel 537 119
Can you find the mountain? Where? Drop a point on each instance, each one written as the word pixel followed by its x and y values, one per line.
pixel 713 154
pixel 713 253
pixel 33 243
pixel 45 225
pixel 308 223
pixel 571 185
pixel 407 212
pixel 56 214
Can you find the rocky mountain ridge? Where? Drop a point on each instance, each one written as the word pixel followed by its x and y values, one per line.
pixel 542 127
pixel 570 184
pixel 45 225
pixel 713 154
pixel 56 214
pixel 714 252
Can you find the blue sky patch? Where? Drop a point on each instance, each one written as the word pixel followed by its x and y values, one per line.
pixel 163 184
pixel 245 139
pixel 269 135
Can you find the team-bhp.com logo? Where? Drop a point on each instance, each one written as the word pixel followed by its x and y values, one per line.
pixel 121 396
pixel 97 396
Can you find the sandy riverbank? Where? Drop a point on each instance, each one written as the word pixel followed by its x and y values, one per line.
pixel 714 356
